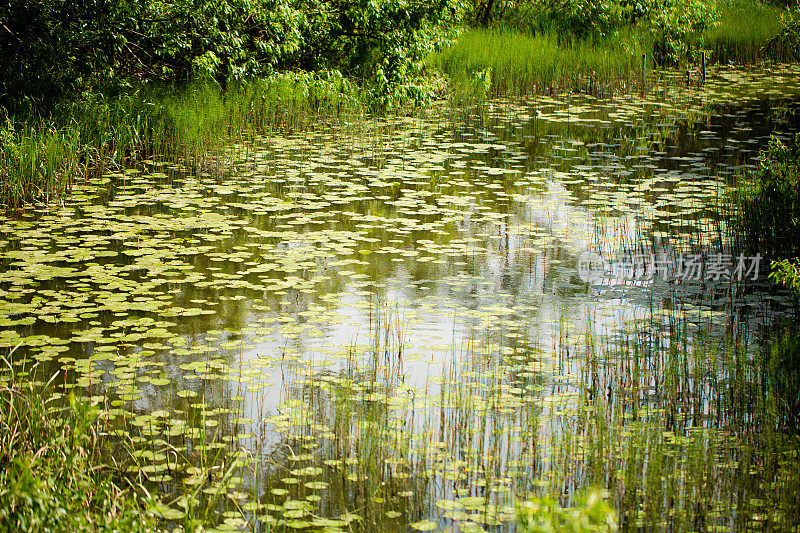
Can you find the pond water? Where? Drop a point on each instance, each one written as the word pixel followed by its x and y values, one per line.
pixel 391 323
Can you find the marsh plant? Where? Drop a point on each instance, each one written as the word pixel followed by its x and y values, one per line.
pixel 744 31
pixel 41 159
pixel 517 63
pixel 610 47
pixel 53 477
pixel 768 210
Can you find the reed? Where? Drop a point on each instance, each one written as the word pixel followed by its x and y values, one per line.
pixel 41 157
pixel 742 32
pixel 519 63
pixel 52 476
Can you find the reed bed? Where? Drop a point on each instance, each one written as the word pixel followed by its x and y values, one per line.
pixel 661 424
pixel 52 476
pixel 743 31
pixel 40 158
pixel 499 62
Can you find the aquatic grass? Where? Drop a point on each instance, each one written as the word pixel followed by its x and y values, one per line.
pixel 742 32
pixel 520 64
pixel 51 476
pixel 36 161
pixel 766 214
pixel 194 124
pixel 655 450
pixel 268 296
pixel 114 469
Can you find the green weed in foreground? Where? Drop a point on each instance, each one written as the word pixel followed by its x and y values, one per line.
pixel 524 64
pixel 50 475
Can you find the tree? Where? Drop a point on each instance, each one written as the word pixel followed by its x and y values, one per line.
pixel 50 49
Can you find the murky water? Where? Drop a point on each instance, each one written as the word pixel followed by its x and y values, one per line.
pixel 386 323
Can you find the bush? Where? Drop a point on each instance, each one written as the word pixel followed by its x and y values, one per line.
pixel 676 25
pixel 785 46
pixel 51 49
pixel 579 19
pixel 768 220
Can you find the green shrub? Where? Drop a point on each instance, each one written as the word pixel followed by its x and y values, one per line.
pixel 676 25
pixel 785 46
pixel 575 19
pixel 51 49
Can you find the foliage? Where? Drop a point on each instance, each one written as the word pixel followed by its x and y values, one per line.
pixel 769 204
pixel 786 44
pixel 545 515
pixel 51 49
pixel 48 48
pixel 49 477
pixel 520 63
pixel 569 19
pixel 579 19
pixel 676 25
pixel 787 272
pixel 383 43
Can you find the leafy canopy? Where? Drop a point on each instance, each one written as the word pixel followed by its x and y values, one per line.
pixel 51 48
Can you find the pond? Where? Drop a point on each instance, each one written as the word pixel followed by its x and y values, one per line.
pixel 409 323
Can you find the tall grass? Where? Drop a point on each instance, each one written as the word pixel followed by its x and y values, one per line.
pixel 520 63
pixel 766 214
pixel 41 157
pixel 743 30
pixel 508 62
pixel 51 477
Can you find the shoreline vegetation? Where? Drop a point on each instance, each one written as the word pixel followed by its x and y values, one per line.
pixel 88 126
pixel 183 94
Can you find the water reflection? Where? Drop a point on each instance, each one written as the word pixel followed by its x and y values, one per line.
pixel 388 318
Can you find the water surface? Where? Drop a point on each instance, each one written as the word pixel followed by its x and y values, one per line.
pixel 381 323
